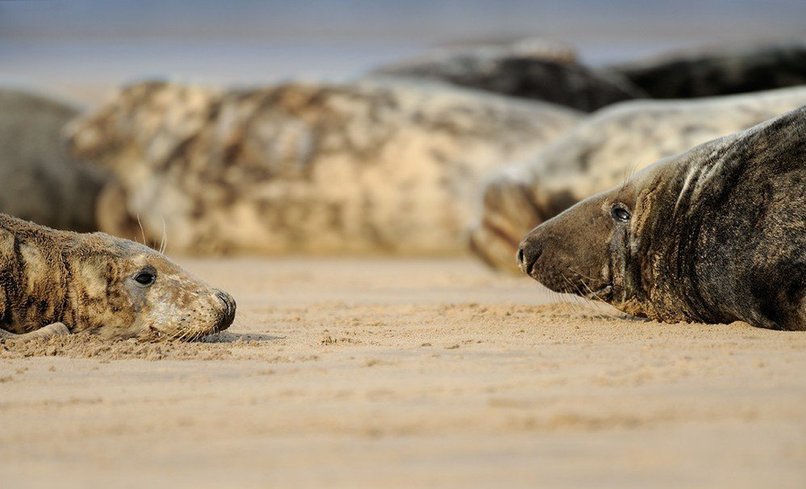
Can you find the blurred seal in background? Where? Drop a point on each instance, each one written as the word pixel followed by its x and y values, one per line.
pixel 533 68
pixel 41 182
pixel 376 166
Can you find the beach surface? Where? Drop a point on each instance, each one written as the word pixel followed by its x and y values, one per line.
pixel 407 373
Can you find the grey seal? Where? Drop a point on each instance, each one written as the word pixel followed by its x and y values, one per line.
pixel 41 182
pixel 59 282
pixel 719 70
pixel 714 235
pixel 306 168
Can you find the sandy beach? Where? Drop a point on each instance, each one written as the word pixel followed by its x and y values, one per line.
pixel 407 373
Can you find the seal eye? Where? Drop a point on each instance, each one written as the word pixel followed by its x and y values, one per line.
pixel 620 214
pixel 145 278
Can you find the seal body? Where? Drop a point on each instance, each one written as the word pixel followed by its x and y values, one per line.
pixel 369 167
pixel 602 152
pixel 718 71
pixel 520 70
pixel 717 234
pixel 54 282
pixel 41 182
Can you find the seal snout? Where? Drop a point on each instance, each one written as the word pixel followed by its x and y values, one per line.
pixel 528 253
pixel 228 313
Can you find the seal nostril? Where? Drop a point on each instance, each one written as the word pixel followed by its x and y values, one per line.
pixel 520 255
pixel 228 314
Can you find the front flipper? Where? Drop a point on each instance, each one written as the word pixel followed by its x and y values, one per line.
pixel 49 331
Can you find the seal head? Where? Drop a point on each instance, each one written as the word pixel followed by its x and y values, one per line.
pixel 717 234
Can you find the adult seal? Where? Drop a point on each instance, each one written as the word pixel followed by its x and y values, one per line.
pixel 306 168
pixel 41 182
pixel 532 69
pixel 715 235
pixel 58 282
pixel 602 152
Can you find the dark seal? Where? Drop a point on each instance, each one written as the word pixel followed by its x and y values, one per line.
pixel 715 235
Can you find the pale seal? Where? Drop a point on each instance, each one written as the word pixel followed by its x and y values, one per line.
pixel 365 167
pixel 602 152
pixel 40 181
pixel 58 282
pixel 520 70
pixel 720 70
pixel 715 235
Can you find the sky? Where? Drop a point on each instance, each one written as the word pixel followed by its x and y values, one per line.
pixel 82 47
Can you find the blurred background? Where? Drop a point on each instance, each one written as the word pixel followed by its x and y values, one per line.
pixel 82 48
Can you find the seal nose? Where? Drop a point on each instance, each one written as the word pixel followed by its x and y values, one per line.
pixel 228 315
pixel 528 253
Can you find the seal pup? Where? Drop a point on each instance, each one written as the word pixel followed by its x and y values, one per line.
pixel 714 235
pixel 600 153
pixel 58 282
pixel 41 182
pixel 550 74
pixel 306 168
pixel 720 70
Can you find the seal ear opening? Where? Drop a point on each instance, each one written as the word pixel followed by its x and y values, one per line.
pixel 113 215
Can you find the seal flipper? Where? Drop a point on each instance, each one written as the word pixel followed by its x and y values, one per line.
pixel 49 331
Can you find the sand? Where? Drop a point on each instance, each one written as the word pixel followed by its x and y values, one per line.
pixel 407 373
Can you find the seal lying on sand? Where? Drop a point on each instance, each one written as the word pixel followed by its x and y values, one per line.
pixel 717 234
pixel 40 181
pixel 56 282
pixel 389 167
pixel 601 152
pixel 520 70
pixel 718 71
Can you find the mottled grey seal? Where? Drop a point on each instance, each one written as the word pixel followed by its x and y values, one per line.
pixel 328 168
pixel 601 152
pixel 40 181
pixel 55 282
pixel 718 70
pixel 520 70
pixel 715 235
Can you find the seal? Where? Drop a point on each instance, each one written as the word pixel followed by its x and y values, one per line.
pixel 539 70
pixel 58 282
pixel 720 70
pixel 714 235
pixel 41 182
pixel 602 152
pixel 306 168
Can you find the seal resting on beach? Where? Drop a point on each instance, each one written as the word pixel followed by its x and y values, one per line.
pixel 602 152
pixel 41 182
pixel 714 235
pixel 721 70
pixel 365 167
pixel 533 69
pixel 58 282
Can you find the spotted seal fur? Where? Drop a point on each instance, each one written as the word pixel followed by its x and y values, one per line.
pixel 306 168
pixel 601 152
pixel 714 235
pixel 58 282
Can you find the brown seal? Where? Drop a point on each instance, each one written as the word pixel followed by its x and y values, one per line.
pixel 715 235
pixel 602 152
pixel 317 168
pixel 55 282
